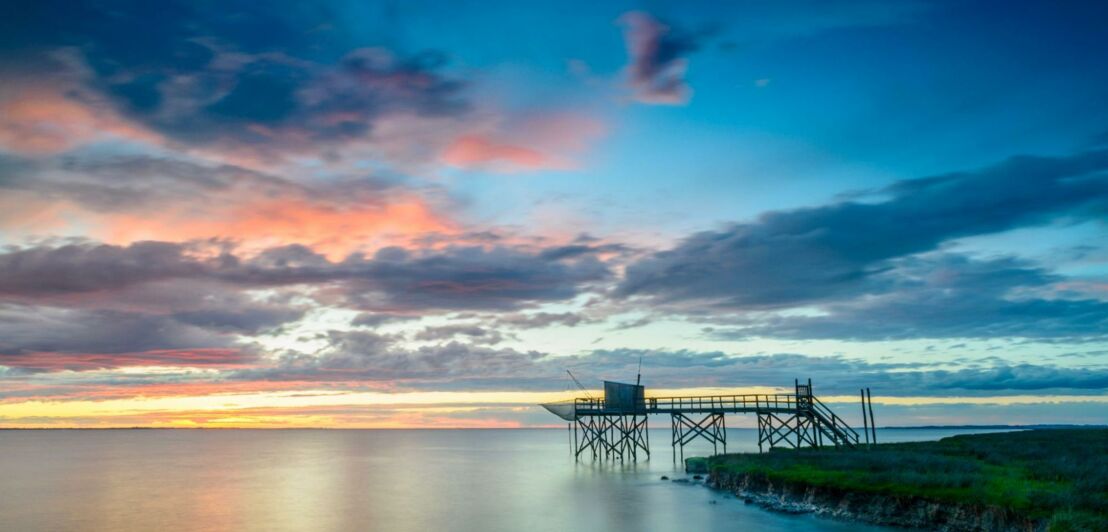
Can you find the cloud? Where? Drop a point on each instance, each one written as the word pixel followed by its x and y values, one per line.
pixel 355 356
pixel 141 183
pixel 392 279
pixel 472 333
pixel 37 120
pixel 68 361
pixel 499 278
pixel 262 79
pixel 45 271
pixel 352 360
pixel 534 141
pixel 376 319
pixel 827 253
pixel 127 198
pixel 579 249
pixel 1025 377
pixel 540 320
pixel 944 296
pixel 458 366
pixel 830 375
pixel 658 55
pixel 212 305
pixel 45 330
pixel 101 322
pixel 476 151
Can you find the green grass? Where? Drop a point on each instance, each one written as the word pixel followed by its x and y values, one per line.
pixel 1060 475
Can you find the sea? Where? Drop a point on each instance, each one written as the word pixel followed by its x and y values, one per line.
pixel 523 480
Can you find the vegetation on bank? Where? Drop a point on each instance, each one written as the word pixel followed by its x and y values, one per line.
pixel 1056 475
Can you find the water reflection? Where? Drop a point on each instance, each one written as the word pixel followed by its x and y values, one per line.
pixel 398 480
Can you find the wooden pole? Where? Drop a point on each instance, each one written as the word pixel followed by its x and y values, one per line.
pixel 576 446
pixel 872 426
pixel 798 428
pixel 760 430
pixel 723 425
pixel 865 424
pixel 673 435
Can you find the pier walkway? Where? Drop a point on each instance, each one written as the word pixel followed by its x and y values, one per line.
pixel 616 425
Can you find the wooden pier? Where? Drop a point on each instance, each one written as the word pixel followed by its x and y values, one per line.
pixel 615 427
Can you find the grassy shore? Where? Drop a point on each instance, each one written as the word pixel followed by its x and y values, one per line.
pixel 1055 476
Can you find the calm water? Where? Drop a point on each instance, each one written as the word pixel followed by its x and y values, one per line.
pixel 391 480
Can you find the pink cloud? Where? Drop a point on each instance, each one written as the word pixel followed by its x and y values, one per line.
pixel 334 230
pixel 40 121
pixel 547 141
pixel 474 150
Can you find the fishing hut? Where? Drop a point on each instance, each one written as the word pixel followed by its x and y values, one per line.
pixel 615 426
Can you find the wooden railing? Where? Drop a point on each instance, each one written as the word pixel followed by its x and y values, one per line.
pixel 714 403
pixel 835 423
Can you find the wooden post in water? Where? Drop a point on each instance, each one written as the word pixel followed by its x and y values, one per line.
pixel 576 446
pixel 865 424
pixel 872 426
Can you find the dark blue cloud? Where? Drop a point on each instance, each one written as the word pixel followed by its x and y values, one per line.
pixel 272 76
pixel 1025 377
pixel 944 296
pixel 658 58
pixel 830 375
pixel 812 255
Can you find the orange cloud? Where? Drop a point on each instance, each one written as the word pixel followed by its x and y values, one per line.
pixel 40 121
pixel 475 150
pixel 334 230
pixel 540 142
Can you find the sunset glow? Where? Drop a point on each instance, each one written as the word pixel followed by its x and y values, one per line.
pixel 361 216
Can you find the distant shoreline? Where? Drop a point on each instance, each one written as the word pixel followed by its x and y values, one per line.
pixel 986 427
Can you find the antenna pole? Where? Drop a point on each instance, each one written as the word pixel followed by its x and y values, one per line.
pixel 638 378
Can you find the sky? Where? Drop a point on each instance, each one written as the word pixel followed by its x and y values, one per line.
pixel 421 214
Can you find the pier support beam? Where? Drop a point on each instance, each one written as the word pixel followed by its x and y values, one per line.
pixel 612 437
pixel 793 430
pixel 711 427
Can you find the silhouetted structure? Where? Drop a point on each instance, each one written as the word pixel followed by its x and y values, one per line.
pixel 615 427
